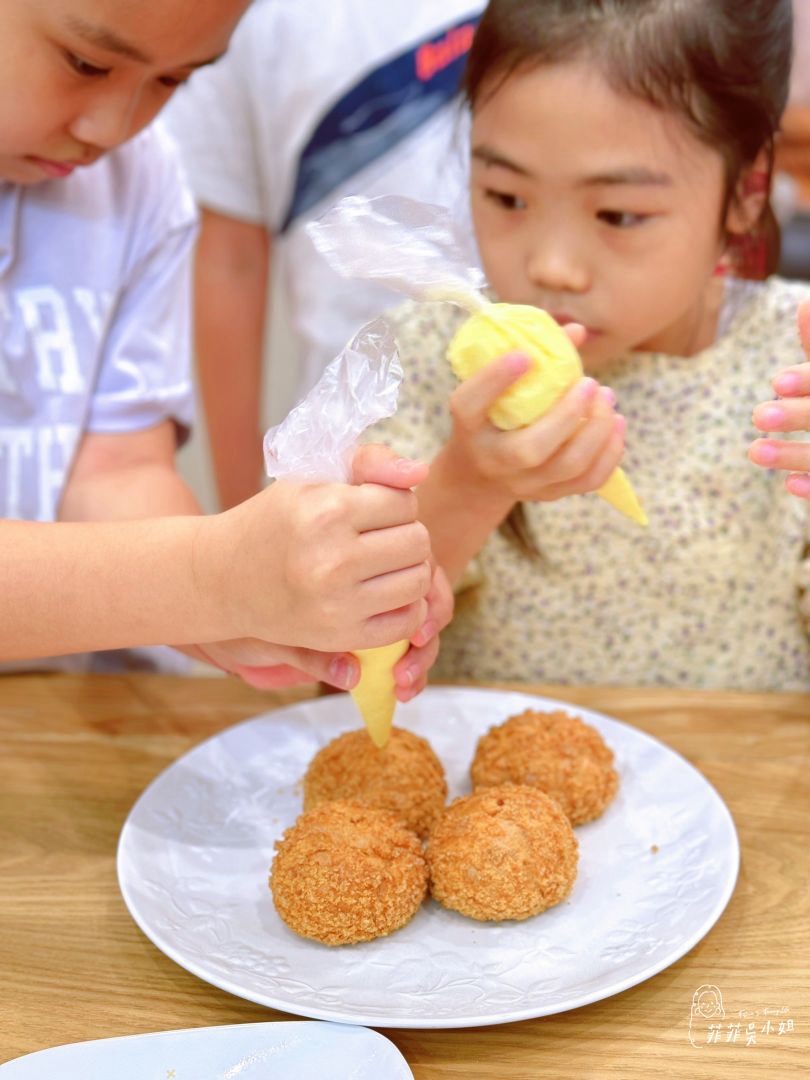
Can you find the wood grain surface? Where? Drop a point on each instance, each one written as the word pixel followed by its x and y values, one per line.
pixel 75 753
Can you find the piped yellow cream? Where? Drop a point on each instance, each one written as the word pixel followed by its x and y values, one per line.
pixel 374 694
pixel 497 329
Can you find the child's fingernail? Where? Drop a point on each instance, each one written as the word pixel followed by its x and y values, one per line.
pixel 787 383
pixel 405 465
pixel 517 363
pixel 586 389
pixel 608 395
pixel 799 484
pixel 407 676
pixel 426 632
pixel 765 453
pixel 771 418
pixel 343 672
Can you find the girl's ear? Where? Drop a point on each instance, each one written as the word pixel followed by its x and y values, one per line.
pixel 750 196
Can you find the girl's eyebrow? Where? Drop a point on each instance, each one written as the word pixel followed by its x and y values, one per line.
pixel 108 40
pixel 487 156
pixel 637 175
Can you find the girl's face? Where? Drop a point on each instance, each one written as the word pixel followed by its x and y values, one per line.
pixel 79 77
pixel 599 208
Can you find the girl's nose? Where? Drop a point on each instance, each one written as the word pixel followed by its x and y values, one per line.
pixel 555 266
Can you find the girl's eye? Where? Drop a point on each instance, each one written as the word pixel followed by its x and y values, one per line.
pixel 81 67
pixel 621 219
pixel 504 199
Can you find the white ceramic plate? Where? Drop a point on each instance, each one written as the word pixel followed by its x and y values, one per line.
pixel 656 871
pixel 289 1051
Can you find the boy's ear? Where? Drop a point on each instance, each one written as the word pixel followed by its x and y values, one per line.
pixel 750 196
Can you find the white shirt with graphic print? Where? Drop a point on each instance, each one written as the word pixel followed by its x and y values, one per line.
pixel 94 314
pixel 314 101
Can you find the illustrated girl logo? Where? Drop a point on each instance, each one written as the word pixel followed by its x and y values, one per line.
pixel 707 1010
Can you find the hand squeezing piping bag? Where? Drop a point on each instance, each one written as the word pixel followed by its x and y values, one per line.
pixel 496 329
pixel 316 442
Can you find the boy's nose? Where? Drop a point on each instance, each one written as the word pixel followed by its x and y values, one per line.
pixel 108 120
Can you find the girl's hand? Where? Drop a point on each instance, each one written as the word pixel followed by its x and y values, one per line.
pixel 572 449
pixel 790 413
pixel 329 567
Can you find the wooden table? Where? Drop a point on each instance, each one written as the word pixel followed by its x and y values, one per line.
pixel 75 752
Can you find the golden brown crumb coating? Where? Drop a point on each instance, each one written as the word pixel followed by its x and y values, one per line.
pixel 555 752
pixel 345 873
pixel 502 853
pixel 406 777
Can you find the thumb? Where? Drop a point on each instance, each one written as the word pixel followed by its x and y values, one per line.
pixel 341 670
pixel 266 666
pixel 376 464
pixel 473 399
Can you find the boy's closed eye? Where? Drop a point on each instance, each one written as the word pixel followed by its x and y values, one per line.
pixel 88 70
pixel 84 67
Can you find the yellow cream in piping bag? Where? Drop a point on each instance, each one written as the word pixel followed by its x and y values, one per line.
pixel 374 694
pixel 497 329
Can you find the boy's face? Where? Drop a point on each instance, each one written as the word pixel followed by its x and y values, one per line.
pixel 599 208
pixel 80 77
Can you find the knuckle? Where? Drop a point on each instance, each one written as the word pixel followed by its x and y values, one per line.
pixel 490 467
pixel 526 457
pixel 578 463
pixel 410 504
pixel 421 541
pixel 425 578
pixel 599 474
pixel 413 617
pixel 324 506
pixel 459 414
pixel 577 460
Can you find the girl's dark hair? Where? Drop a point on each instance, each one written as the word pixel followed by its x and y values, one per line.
pixel 724 65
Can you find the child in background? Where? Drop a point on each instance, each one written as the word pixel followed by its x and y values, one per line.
pixel 370 104
pixel 621 159
pixel 94 387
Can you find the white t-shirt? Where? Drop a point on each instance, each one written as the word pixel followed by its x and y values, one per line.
pixel 317 100
pixel 94 314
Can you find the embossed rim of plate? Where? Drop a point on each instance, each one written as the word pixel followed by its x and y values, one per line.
pixel 433 696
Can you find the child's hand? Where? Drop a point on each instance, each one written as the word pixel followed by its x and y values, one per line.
pixel 411 672
pixel 378 464
pixel 572 449
pixel 265 666
pixel 790 413
pixel 330 567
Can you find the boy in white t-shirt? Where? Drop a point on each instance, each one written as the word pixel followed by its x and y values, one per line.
pixel 313 101
pixel 108 549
